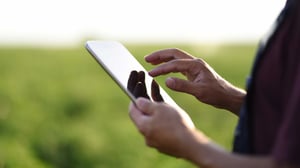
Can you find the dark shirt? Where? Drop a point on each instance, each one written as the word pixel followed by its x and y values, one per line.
pixel 275 100
pixel 271 115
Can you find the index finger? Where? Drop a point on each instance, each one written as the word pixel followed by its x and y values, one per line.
pixel 167 55
pixel 183 66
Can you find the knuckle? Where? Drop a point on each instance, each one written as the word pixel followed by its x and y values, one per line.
pixel 175 52
pixel 199 61
pixel 197 64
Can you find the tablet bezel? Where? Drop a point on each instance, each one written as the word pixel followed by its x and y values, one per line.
pixel 90 48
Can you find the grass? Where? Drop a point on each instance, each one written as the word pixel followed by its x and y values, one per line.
pixel 58 108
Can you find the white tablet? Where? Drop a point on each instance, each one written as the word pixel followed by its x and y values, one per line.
pixel 118 62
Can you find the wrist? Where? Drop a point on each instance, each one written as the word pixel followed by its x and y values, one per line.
pixel 236 100
pixel 233 98
pixel 197 151
pixel 204 153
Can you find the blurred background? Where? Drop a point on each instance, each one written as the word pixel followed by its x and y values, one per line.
pixel 59 109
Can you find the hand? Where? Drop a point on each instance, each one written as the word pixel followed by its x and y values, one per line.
pixel 202 81
pixel 136 85
pixel 163 127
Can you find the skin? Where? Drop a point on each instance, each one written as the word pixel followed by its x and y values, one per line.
pixel 167 129
pixel 202 81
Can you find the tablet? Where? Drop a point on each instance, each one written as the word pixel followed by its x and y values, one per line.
pixel 118 62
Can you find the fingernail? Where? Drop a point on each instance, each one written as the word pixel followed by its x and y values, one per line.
pixel 141 102
pixel 146 58
pixel 170 82
pixel 150 73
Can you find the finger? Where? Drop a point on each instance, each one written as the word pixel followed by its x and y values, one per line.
pixel 182 65
pixel 141 76
pixel 140 90
pixel 155 92
pixel 181 85
pixel 132 81
pixel 138 118
pixel 167 55
pixel 145 105
pixel 134 113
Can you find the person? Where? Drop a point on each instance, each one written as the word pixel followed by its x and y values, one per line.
pixel 267 134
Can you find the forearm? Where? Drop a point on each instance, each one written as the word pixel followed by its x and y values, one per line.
pixel 206 154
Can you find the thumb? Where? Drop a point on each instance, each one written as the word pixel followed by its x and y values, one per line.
pixel 145 105
pixel 181 85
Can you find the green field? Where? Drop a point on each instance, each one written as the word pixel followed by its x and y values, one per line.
pixel 58 108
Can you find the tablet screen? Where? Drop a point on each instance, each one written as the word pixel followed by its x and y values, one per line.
pixel 118 62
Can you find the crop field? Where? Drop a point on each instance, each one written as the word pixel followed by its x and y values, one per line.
pixel 59 109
